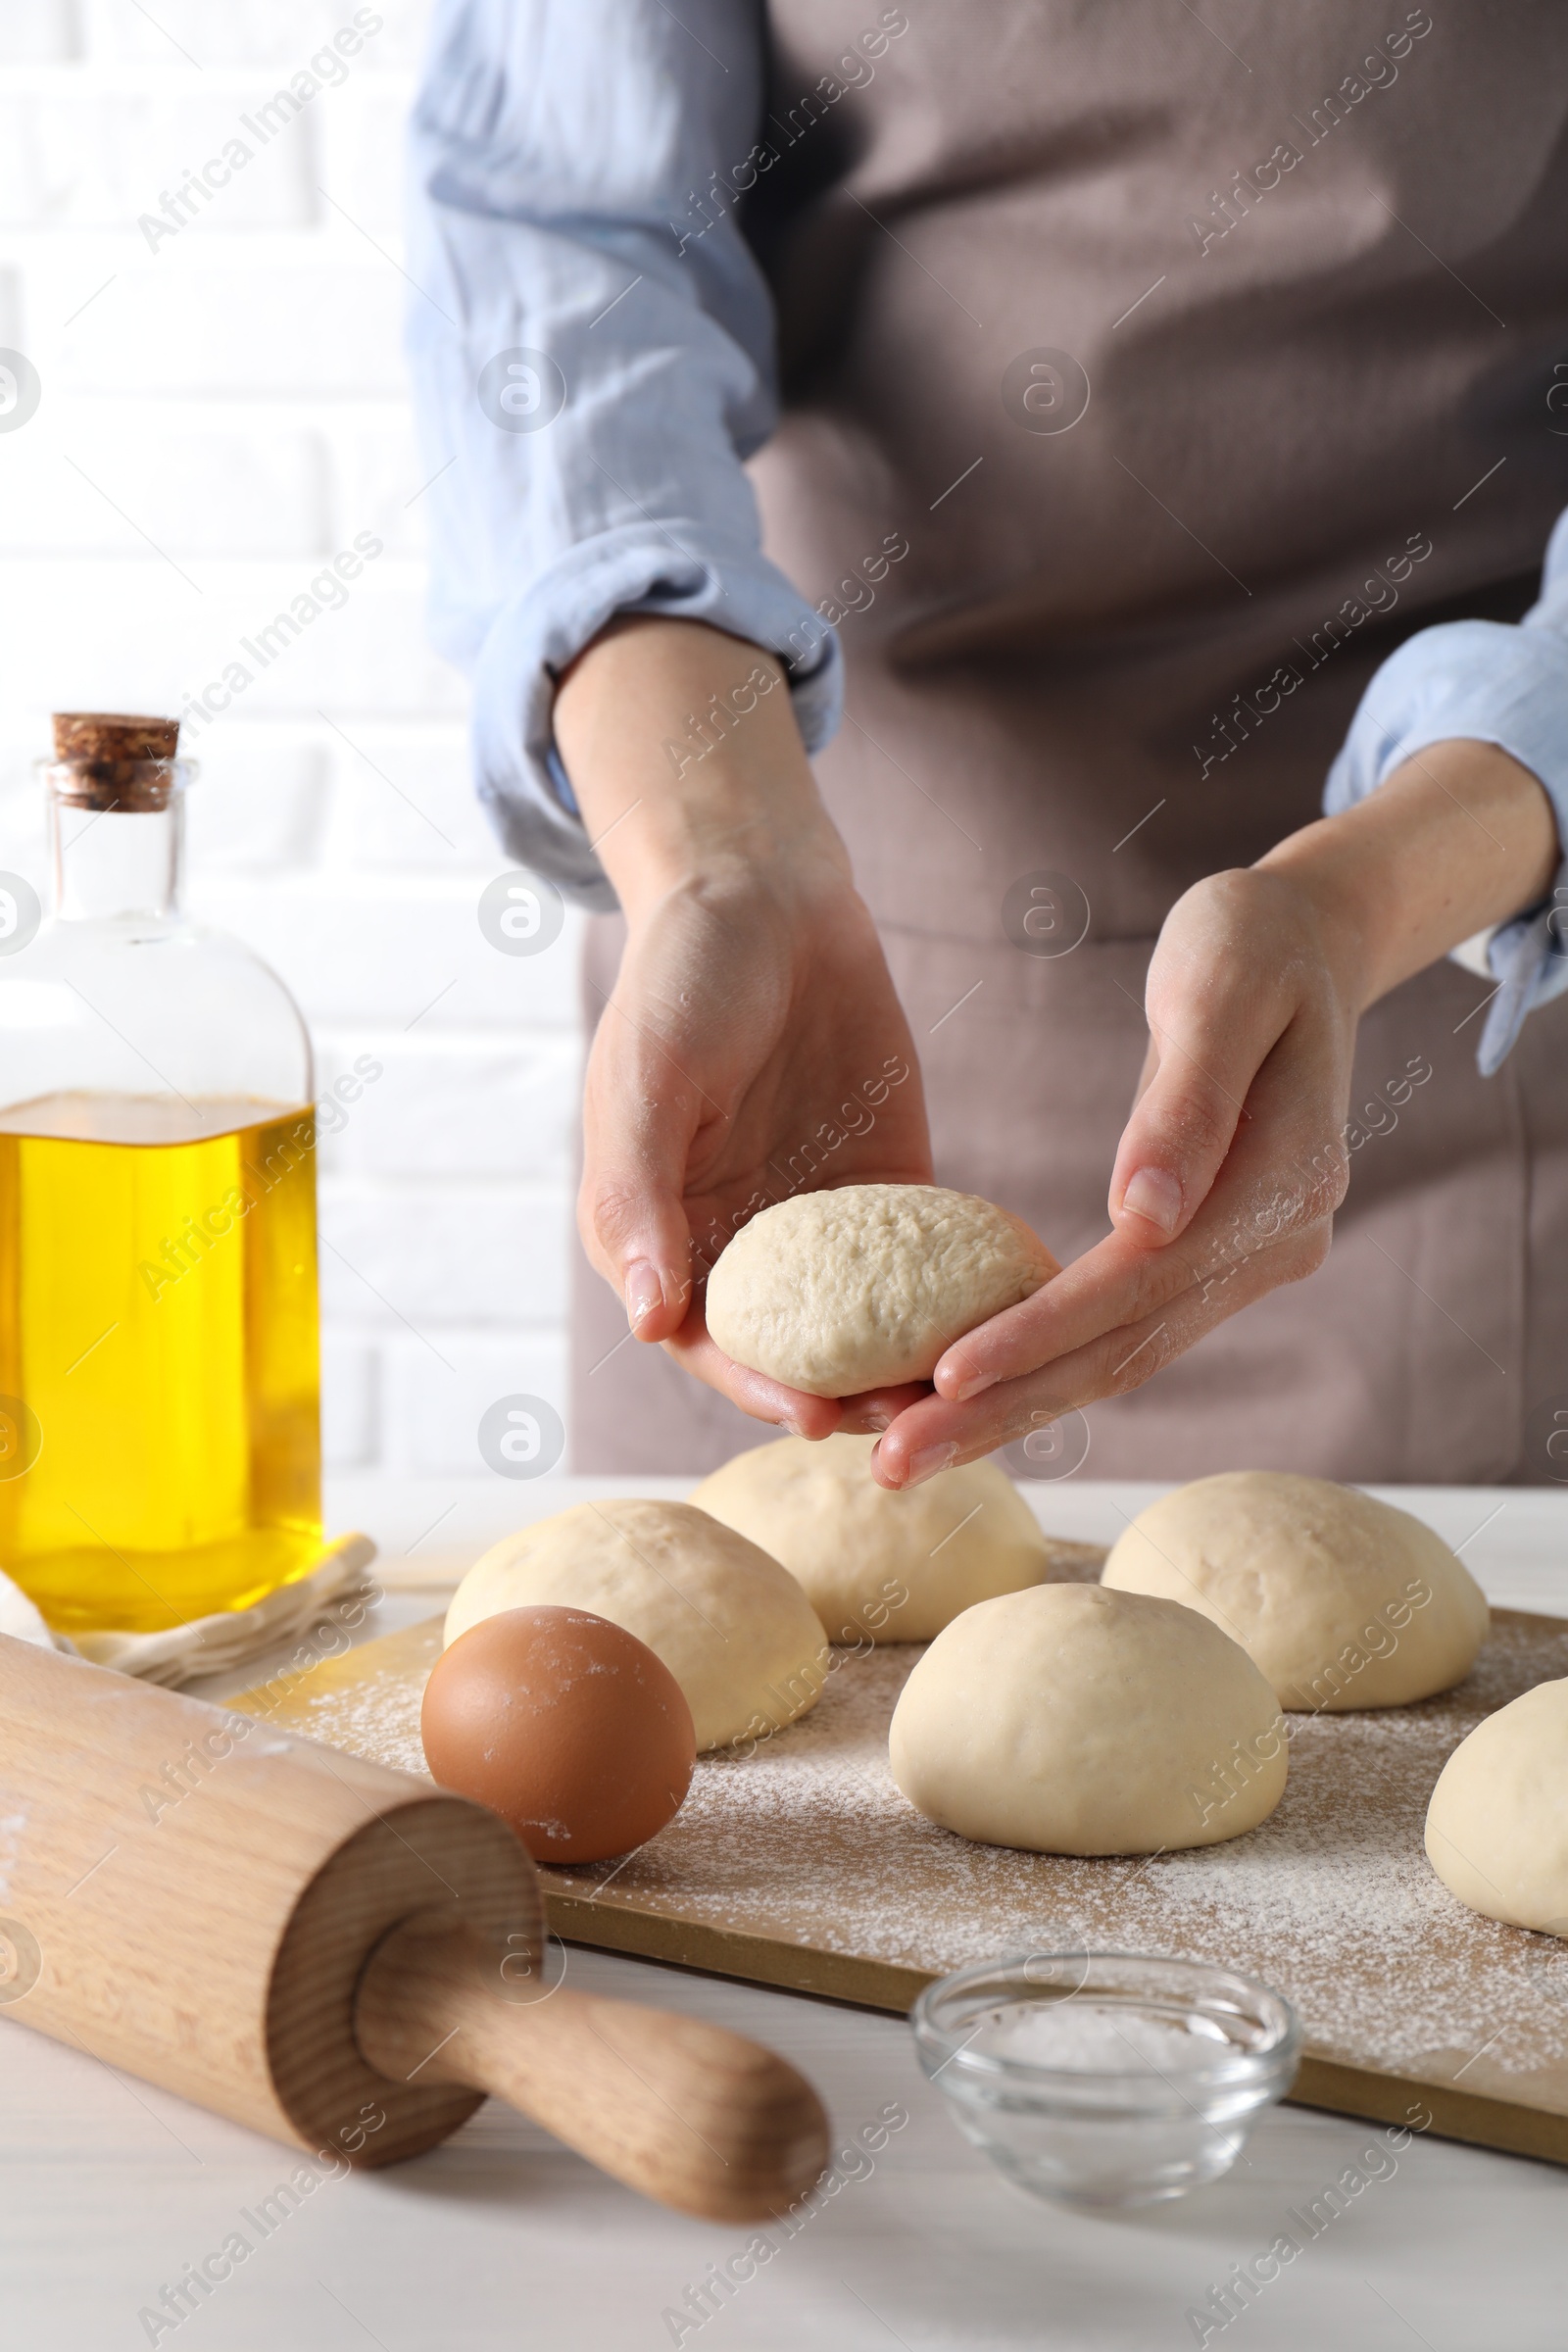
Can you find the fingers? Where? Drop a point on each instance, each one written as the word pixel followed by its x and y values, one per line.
pixel 1174 1144
pixel 1113 1284
pixel 766 1399
pixel 1285 1173
pixel 1225 1184
pixel 1183 1125
pixel 640 1114
pixel 634 1228
pixel 792 1409
pixel 878 1408
pixel 1216 1008
pixel 1146 1075
pixel 936 1433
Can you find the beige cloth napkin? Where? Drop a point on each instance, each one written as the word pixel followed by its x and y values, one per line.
pixel 208 1645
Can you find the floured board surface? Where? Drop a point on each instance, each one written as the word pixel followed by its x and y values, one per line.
pixel 803 1867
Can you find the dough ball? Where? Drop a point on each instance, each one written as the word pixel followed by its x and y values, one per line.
pixel 1342 1601
pixel 1498 1824
pixel 566 1725
pixel 732 1626
pixel 876 1565
pixel 865 1286
pixel 1069 1720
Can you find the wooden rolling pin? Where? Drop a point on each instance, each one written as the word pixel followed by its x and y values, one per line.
pixel 336 1954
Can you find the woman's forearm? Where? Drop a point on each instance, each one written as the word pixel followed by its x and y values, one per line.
pixel 1460 836
pixel 686 761
pixel 752 997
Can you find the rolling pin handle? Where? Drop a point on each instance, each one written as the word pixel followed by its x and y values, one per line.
pixel 688 2113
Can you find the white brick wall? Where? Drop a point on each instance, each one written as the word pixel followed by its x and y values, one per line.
pixel 219 415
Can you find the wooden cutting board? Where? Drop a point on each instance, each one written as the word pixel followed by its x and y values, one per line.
pixel 801 1867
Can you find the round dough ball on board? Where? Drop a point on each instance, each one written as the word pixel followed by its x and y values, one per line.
pixel 866 1287
pixel 732 1626
pixel 1069 1720
pixel 875 1564
pixel 1343 1601
pixel 1498 1824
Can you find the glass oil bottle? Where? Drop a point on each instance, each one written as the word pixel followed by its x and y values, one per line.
pixel 160 1452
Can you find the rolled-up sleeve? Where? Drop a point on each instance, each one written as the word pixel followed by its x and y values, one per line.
pixel 591 343
pixel 1490 683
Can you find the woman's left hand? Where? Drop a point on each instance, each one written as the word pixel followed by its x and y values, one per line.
pixel 1234 1159
pixel 1225 1185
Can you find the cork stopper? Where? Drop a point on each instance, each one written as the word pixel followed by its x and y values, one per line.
pixel 105 759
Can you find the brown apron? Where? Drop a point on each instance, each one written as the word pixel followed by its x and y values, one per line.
pixel 1310 285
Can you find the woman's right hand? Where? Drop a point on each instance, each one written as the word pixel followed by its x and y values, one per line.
pixel 753 1046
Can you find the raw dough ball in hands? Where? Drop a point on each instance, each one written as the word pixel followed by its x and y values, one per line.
pixel 1069 1720
pixel 1342 1600
pixel 897 1567
pixel 732 1626
pixel 866 1287
pixel 1498 1824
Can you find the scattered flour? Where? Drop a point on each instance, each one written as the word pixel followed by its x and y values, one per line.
pixel 1331 1902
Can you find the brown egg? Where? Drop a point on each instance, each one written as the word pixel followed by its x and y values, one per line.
pixel 566 1725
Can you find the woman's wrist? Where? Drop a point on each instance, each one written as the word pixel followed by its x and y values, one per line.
pixel 1461 836
pixel 683 755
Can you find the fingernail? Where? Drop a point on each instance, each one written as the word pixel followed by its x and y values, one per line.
pixel 1155 1195
pixel 964 1381
pixel 878 1422
pixel 644 1292
pixel 929 1460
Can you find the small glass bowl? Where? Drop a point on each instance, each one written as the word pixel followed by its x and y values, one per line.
pixel 1103 2078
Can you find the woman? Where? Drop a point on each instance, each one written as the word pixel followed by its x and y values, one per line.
pixel 1152 421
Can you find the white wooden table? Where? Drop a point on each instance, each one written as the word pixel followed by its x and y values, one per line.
pixel 500 2241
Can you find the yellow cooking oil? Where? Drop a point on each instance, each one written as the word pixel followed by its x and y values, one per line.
pixel 160 1452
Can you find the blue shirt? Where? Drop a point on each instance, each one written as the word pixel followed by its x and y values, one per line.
pixel 560 236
